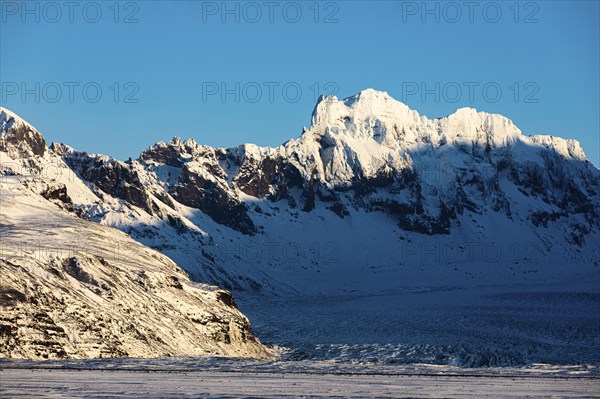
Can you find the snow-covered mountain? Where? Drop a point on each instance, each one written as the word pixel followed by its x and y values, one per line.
pixel 72 288
pixel 372 196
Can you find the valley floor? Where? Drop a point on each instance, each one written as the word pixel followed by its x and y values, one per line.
pixel 480 327
pixel 277 382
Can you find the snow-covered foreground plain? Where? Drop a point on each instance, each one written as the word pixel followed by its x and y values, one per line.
pixel 226 378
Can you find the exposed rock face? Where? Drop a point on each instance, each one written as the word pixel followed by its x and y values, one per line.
pixel 116 178
pixel 19 138
pixel 202 184
pixel 212 198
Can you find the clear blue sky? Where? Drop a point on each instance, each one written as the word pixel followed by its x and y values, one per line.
pixel 172 53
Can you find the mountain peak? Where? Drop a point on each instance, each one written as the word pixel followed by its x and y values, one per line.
pixel 8 120
pixel 174 153
pixel 19 138
pixel 366 104
pixel 370 95
pixel 175 141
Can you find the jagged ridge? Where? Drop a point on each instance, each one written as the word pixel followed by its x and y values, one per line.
pixel 366 153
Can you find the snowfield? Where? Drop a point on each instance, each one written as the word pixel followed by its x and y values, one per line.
pixel 223 378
